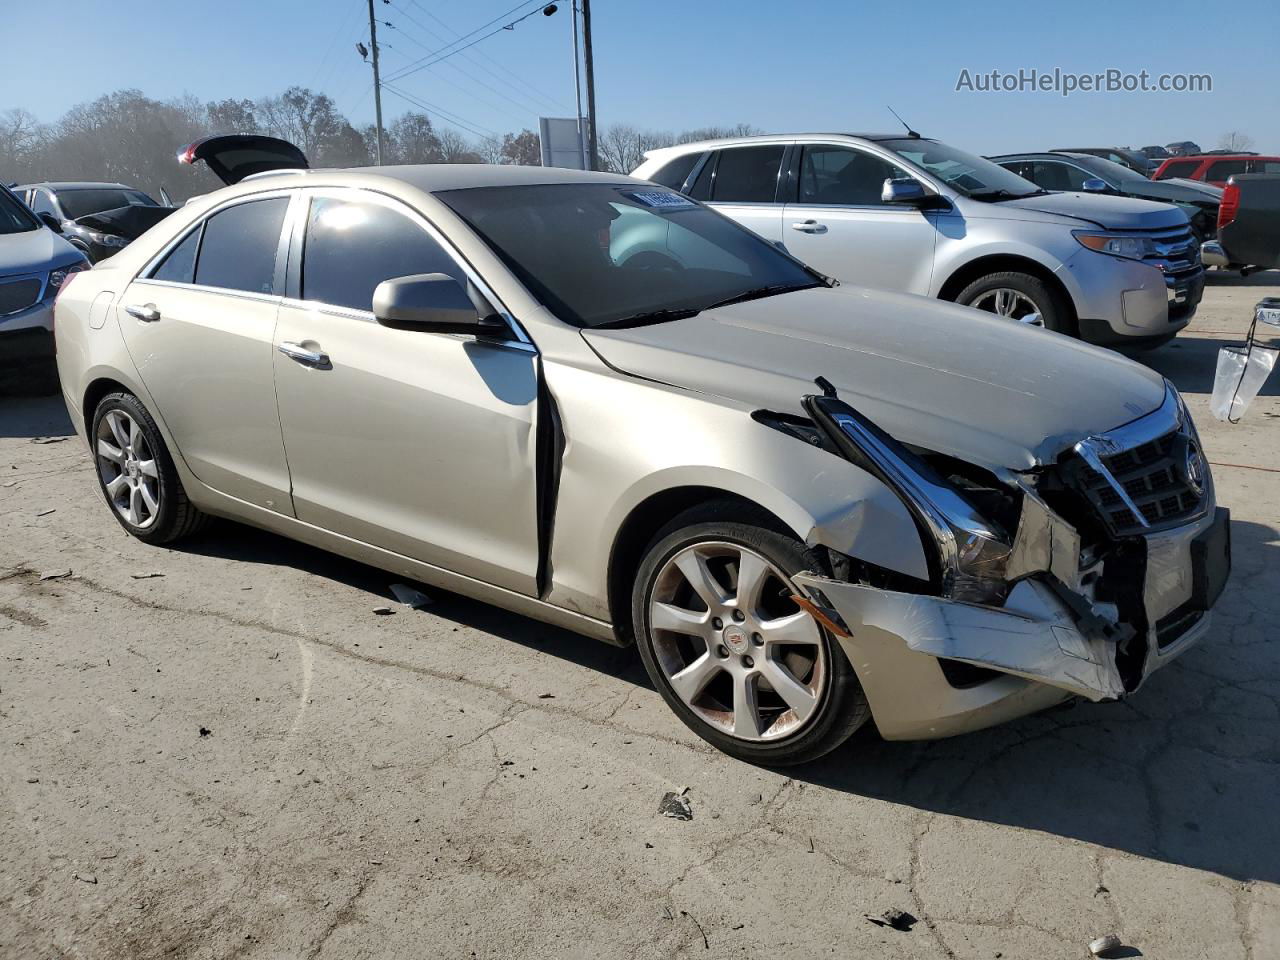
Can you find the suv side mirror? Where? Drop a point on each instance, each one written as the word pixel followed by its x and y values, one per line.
pixel 1095 185
pixel 904 191
pixel 50 221
pixel 436 303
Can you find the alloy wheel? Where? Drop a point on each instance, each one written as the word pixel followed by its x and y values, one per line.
pixel 1006 302
pixel 732 644
pixel 128 468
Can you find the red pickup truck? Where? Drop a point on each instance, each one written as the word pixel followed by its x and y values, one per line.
pixel 1215 168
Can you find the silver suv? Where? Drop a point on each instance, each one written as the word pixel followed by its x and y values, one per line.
pixel 34 263
pixel 909 213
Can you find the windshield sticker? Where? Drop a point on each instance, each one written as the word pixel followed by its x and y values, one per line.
pixel 661 200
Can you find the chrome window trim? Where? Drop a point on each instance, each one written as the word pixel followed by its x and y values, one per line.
pixel 148 268
pixel 394 203
pixel 202 288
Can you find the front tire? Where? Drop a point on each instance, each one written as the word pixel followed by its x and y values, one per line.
pixel 730 652
pixel 1014 295
pixel 136 474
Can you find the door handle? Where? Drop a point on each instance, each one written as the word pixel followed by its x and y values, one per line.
pixel 809 226
pixel 308 358
pixel 147 313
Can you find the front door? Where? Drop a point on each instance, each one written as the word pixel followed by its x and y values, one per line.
pixel 838 224
pixel 200 327
pixel 419 443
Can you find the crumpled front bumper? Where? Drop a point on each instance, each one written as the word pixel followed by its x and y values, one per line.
pixel 1046 651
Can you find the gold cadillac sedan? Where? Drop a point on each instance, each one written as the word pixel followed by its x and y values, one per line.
pixel 596 402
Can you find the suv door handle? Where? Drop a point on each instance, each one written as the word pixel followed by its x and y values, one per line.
pixel 147 313
pixel 809 226
pixel 308 358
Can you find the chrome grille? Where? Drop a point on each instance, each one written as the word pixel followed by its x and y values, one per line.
pixel 1151 475
pixel 18 294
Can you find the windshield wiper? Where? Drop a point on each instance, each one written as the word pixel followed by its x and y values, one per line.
pixel 646 318
pixel 755 293
pixel 1002 194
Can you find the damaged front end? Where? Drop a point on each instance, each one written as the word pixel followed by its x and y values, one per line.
pixel 1080 577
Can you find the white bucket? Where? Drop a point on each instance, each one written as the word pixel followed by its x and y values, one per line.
pixel 1241 373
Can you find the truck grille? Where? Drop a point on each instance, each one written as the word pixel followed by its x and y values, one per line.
pixel 18 294
pixel 1152 474
pixel 1177 256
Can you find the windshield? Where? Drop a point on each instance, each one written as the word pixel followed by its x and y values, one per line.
pixel 622 254
pixel 971 175
pixel 1115 172
pixel 81 203
pixel 14 215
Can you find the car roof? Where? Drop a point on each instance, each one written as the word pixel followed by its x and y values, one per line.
pixel 56 185
pixel 775 138
pixel 1226 156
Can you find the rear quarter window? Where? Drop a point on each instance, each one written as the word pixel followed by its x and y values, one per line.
pixel 673 173
pixel 1183 168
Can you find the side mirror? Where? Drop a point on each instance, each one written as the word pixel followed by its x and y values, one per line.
pixel 435 303
pixel 1095 185
pixel 50 221
pixel 906 191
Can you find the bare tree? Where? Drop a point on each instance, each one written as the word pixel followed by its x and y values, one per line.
pixel 489 150
pixel 1235 140
pixel 455 148
pixel 413 140
pixel 20 137
pixel 232 116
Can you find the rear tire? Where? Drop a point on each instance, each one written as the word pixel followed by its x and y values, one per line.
pixel 1021 292
pixel 739 663
pixel 136 474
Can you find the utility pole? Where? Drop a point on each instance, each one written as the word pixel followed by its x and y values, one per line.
pixel 577 88
pixel 593 152
pixel 377 80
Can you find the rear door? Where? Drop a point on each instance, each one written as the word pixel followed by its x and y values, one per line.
pixel 420 443
pixel 838 224
pixel 199 325
pixel 742 183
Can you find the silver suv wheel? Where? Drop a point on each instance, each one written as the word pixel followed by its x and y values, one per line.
pixel 732 644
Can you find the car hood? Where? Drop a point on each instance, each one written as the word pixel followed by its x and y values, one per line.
pixel 950 379
pixel 1186 191
pixel 1109 212
pixel 34 251
pixel 129 222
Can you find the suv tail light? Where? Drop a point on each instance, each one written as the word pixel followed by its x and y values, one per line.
pixel 1229 206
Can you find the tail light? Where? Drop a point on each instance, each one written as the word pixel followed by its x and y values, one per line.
pixel 1230 204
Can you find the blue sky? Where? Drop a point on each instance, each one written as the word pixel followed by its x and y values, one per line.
pixel 798 65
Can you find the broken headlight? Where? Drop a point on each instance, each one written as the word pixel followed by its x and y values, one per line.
pixel 968 553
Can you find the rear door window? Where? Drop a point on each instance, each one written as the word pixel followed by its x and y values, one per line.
pixel 1222 169
pixel 352 246
pixel 1052 175
pixel 240 245
pixel 1183 168
pixel 747 174
pixel 673 173
pixel 840 175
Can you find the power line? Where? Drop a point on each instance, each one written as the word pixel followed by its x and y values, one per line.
pixel 521 85
pixel 444 53
pixel 450 118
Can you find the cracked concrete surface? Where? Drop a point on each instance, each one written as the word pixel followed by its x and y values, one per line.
pixel 463 782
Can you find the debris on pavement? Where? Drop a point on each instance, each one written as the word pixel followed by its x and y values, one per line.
pixel 898 919
pixel 1105 945
pixel 33 779
pixel 383 611
pixel 146 576
pixel 87 878
pixel 47 439
pixel 546 696
pixel 706 944
pixel 205 731
pixel 676 806
pixel 46 512
pixel 410 597
pixel 55 574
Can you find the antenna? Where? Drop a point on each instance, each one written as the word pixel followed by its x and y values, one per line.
pixel 910 132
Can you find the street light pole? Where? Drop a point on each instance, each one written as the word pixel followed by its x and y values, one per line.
pixel 377 80
pixel 593 152
pixel 577 87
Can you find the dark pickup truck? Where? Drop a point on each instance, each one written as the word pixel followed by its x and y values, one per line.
pixel 1248 225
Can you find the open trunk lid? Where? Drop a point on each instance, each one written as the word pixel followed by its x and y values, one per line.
pixel 130 221
pixel 233 157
